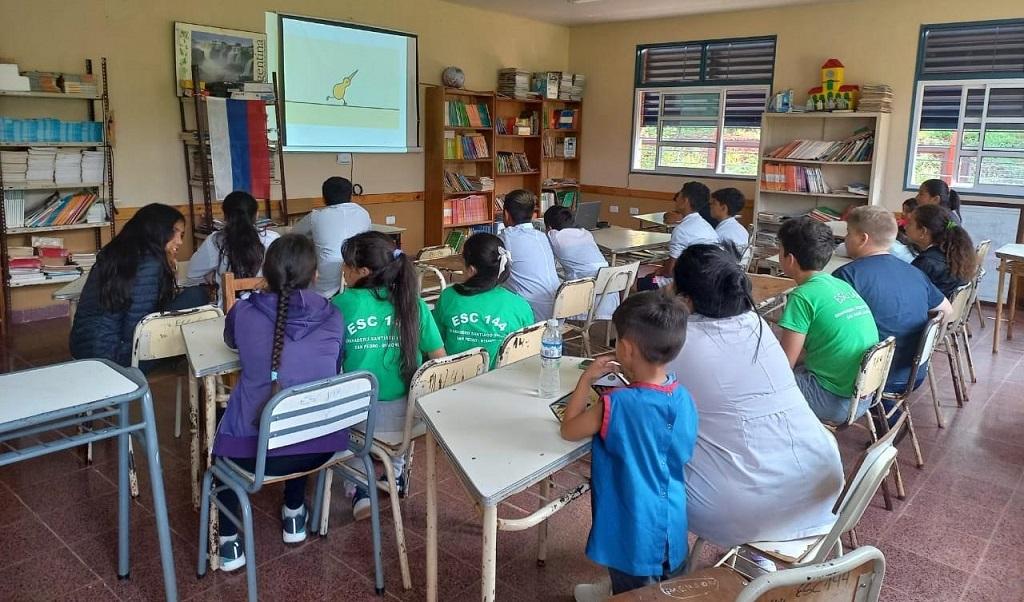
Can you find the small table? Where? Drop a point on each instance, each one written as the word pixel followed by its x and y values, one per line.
pixel 617 241
pixel 501 438
pixel 70 292
pixel 769 292
pixel 654 222
pixel 208 358
pixel 1011 263
pixel 57 398
pixel 833 264
pixel 394 232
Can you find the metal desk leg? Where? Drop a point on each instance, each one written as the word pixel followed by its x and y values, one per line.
pixel 490 552
pixel 1012 299
pixel 431 518
pixel 210 424
pixel 999 305
pixel 542 531
pixel 123 495
pixel 156 480
pixel 193 423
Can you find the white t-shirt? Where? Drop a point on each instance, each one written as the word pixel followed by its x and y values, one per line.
pixel 533 274
pixel 578 253
pixel 330 227
pixel 693 230
pixel 729 229
pixel 208 260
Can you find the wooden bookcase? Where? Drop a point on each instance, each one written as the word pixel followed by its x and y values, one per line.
pixel 529 145
pixel 778 129
pixel 555 167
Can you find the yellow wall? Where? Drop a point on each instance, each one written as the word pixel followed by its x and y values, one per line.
pixel 876 40
pixel 135 36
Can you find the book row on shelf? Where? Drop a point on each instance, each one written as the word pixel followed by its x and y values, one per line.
pixel 49 82
pixel 510 162
pixel 560 148
pixel 462 114
pixel 856 148
pixel 46 261
pixel 768 224
pixel 793 178
pixel 57 210
pixel 45 130
pixel 465 146
pixel 457 182
pixel 468 209
pixel 39 165
pixel 527 124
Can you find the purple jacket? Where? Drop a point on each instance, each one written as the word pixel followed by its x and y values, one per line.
pixel 313 345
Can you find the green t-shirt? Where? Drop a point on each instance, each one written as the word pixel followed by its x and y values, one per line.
pixel 481 320
pixel 839 328
pixel 371 343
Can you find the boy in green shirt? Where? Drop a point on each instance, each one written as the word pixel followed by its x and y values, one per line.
pixel 826 319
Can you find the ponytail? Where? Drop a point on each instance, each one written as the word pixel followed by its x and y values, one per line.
pixel 948 198
pixel 290 266
pixel 390 270
pixel 493 263
pixel 951 238
pixel 240 245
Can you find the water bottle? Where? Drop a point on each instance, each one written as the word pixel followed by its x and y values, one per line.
pixel 550 358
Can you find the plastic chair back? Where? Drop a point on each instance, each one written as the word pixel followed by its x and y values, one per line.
pixel 158 335
pixel 574 298
pixel 235 286
pixel 521 344
pixel 961 302
pixel 874 371
pixel 612 281
pixel 925 347
pixel 856 576
pixel 438 374
pixel 982 250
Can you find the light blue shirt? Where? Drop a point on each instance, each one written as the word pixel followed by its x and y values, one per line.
pixel 731 230
pixel 533 274
pixel 578 253
pixel 330 227
pixel 693 230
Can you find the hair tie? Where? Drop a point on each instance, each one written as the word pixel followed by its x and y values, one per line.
pixel 396 254
pixel 950 225
pixel 504 256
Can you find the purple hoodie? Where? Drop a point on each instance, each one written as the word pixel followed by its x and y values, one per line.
pixel 313 345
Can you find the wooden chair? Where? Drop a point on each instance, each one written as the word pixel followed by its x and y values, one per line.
pixel 982 251
pixel 432 376
pixel 434 252
pixel 521 344
pixel 615 280
pixel 575 298
pixel 233 287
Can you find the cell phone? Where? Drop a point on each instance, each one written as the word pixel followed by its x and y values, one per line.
pixel 609 382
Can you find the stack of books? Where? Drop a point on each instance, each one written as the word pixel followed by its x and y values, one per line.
pixel 68 167
pixel 14 165
pixel 14 208
pixel 466 210
pixel 92 166
pixel 571 86
pixel 509 162
pixel 857 147
pixel 527 124
pixel 460 114
pixel 41 163
pixel 84 84
pixel 793 178
pixel 54 262
pixel 875 98
pixel 824 214
pixel 43 130
pixel 25 270
pixel 42 81
pixel 84 261
pixel 254 91
pixel 468 146
pixel 514 83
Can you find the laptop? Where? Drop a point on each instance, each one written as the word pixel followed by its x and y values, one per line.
pixel 587 214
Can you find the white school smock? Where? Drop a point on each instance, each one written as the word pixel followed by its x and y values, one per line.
pixel 729 229
pixel 763 468
pixel 207 259
pixel 533 274
pixel 330 227
pixel 693 230
pixel 578 253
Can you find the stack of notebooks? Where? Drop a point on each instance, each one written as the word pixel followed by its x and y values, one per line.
pixel 84 84
pixel 92 166
pixel 41 163
pixel 14 165
pixel 465 146
pixel 460 114
pixel 514 83
pixel 68 167
pixel 875 98
pixel 55 266
pixel 513 162
pixel 793 178
pixel 25 270
pixel 60 210
pixel 42 81
pixel 466 210
pixel 14 208
pixel 857 147
pixel 85 261
pixel 457 182
pixel 824 214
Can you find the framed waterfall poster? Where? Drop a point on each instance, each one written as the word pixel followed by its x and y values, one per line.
pixel 221 55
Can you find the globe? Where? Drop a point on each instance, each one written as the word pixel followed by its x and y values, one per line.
pixel 453 77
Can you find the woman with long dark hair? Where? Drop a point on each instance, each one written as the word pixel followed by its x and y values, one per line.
pixel 937 192
pixel 947 252
pixel 763 468
pixel 237 248
pixel 133 276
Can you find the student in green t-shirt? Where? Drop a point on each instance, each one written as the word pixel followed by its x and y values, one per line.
pixel 388 330
pixel 826 319
pixel 478 312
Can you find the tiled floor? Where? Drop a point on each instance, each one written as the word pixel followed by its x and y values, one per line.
pixel 959 535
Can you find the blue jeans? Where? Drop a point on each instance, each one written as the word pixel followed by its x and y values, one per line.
pixel 825 404
pixel 623 582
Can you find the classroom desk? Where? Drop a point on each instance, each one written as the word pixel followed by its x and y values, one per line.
pixel 654 222
pixel 55 399
pixel 501 438
pixel 637 244
pixel 769 292
pixel 1011 264
pixel 452 264
pixel 833 264
pixel 208 358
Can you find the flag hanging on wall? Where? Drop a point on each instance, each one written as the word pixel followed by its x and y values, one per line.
pixel 238 146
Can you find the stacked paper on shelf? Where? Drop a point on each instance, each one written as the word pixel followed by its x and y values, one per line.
pixel 68 167
pixel 25 270
pixel 84 84
pixel 514 82
pixel 14 208
pixel 41 163
pixel 92 166
pixel 11 80
pixel 42 81
pixel 13 165
pixel 875 98
pixel 83 260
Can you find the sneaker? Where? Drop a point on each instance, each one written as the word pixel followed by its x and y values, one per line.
pixel 293 528
pixel 231 555
pixel 361 504
pixel 400 483
pixel 593 592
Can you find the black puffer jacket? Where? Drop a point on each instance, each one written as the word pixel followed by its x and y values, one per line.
pixel 100 333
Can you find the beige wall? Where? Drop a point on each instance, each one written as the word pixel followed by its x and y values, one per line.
pixel 875 39
pixel 135 36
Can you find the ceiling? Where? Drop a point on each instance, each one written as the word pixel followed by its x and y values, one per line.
pixel 583 12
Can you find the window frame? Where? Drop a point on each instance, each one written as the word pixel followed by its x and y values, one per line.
pixel 703 84
pixel 985 80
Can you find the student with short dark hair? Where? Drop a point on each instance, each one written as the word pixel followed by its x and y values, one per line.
pixel 577 252
pixel 947 253
pixel 330 227
pixel 533 263
pixel 825 319
pixel 643 436
pixel 691 228
pixel 726 204
pixel 479 312
pixel 938 192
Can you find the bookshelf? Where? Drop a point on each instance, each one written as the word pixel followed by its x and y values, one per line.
pixel 459 205
pixel 560 174
pixel 525 144
pixel 78 237
pixel 802 177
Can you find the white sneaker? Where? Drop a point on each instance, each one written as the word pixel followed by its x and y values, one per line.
pixel 361 505
pixel 593 592
pixel 231 555
pixel 293 528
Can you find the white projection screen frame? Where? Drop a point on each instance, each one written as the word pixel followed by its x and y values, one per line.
pixel 345 87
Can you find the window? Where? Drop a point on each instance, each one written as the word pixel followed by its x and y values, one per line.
pixel 698 106
pixel 968 126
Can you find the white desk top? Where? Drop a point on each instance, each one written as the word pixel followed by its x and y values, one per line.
pixel 207 353
pixel 1011 251
pixel 657 218
pixel 500 436
pixel 623 240
pixel 72 290
pixel 59 387
pixel 833 264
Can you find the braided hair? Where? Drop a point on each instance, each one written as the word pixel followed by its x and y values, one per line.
pixel 290 266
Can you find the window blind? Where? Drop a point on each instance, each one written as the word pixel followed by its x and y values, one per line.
pixel 743 108
pixel 750 60
pixel 663 65
pixel 974 49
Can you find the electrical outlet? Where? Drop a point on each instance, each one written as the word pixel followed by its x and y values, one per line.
pixel 389 220
pixel 613 208
pixel 344 158
pixel 634 211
